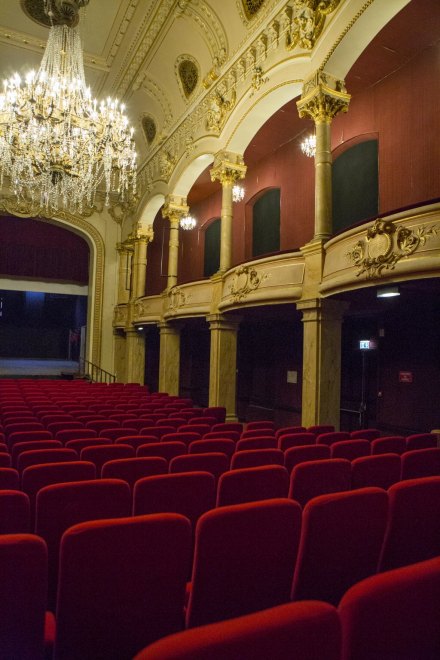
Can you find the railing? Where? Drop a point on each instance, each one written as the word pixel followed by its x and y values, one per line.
pixel 94 373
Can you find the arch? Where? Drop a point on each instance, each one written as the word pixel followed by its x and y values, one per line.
pixel 150 210
pixel 95 242
pixel 186 178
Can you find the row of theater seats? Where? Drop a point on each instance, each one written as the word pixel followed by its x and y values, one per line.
pixel 122 581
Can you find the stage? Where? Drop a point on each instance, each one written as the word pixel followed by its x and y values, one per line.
pixel 29 368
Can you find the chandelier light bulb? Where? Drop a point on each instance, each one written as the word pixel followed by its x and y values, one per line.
pixel 308 146
pixel 57 145
pixel 187 222
pixel 237 193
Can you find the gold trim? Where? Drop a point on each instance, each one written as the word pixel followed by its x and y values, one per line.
pixel 344 32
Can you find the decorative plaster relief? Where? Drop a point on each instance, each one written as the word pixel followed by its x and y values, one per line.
pixel 385 244
pixel 246 279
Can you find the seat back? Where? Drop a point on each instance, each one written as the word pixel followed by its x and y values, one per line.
pixel 28 436
pixel 257 442
pixel 350 449
pixel 38 476
pixel 421 463
pixel 251 484
pixel 136 440
pixel 294 630
pixel 219 412
pixel 224 446
pixel 332 436
pixel 258 432
pixel 189 493
pixel 244 559
pixel 21 447
pixel 295 455
pixel 381 470
pixel 421 441
pixel 100 454
pixel 394 444
pixel 15 513
pixel 79 444
pixel 9 479
pixel 255 457
pixel 116 433
pixel 167 450
pixel 314 478
pixel 287 440
pixel 131 470
pixel 228 426
pixel 341 539
pixel 23 558
pixel 260 424
pixel 115 577
pixel 41 456
pixel 214 462
pixel 413 530
pixel 59 506
pixel 365 434
pixel 393 615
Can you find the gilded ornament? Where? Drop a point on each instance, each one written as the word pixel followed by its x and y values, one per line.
pixel 246 280
pixel 385 244
pixel 219 107
pixel 258 79
pixel 251 7
pixel 177 298
pixel 308 22
pixel 323 97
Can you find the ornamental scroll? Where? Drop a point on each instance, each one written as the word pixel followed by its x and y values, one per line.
pixel 385 244
pixel 246 280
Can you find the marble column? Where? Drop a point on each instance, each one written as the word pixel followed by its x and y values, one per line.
pixel 135 340
pixel 169 358
pixel 223 363
pixel 174 209
pixel 321 391
pixel 323 97
pixel 124 251
pixel 228 168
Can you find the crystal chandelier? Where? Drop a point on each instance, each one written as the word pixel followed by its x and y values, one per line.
pixel 308 146
pixel 57 143
pixel 237 193
pixel 187 222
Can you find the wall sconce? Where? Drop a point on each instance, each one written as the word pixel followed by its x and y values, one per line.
pixel 388 292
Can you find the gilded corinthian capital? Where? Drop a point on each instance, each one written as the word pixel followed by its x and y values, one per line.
pixel 174 208
pixel 228 167
pixel 323 97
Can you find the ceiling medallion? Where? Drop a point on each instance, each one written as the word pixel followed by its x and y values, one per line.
pixel 251 7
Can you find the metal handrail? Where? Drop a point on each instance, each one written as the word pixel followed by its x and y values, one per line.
pixel 95 373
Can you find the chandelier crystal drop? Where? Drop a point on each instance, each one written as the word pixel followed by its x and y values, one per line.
pixel 187 222
pixel 308 146
pixel 57 143
pixel 237 193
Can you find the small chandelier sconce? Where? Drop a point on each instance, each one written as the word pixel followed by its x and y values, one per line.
pixel 237 193
pixel 308 146
pixel 187 222
pixel 388 292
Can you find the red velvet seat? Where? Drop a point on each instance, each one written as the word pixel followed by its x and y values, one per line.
pixel 413 530
pixel 100 454
pixel 251 484
pixel 22 426
pixel 21 447
pixel 115 577
pixel 258 442
pixel 421 441
pixel 393 615
pixel 158 431
pixel 287 430
pixel 136 440
pixel 202 446
pixel 54 427
pixel 101 424
pixel 394 444
pixel 288 440
pixel 244 560
pixel 421 463
pixel 228 426
pixel 248 458
pixel 131 470
pixel 381 471
pixel 320 428
pixel 365 434
pixel 175 422
pixel 9 479
pixel 214 462
pixel 258 433
pixel 302 454
pixel 220 435
pixel 313 478
pixel 78 445
pixel 332 436
pixel 341 539
pixel 28 436
pixel 122 417
pixel 23 560
pixel 114 434
pixel 59 506
pixel 167 450
pixel 204 419
pixel 260 424
pixel 308 630
pixel 42 456
pixel 15 514
pixel 201 429
pixel 75 434
pixel 55 417
pixel 181 436
pixel 350 449
pixel 189 493
pixel 5 459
